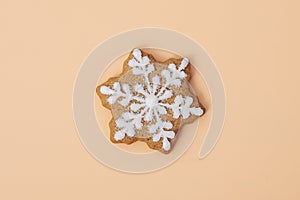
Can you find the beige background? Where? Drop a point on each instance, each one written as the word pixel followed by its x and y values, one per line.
pixel 255 45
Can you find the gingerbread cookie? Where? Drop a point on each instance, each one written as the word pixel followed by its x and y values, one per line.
pixel 149 100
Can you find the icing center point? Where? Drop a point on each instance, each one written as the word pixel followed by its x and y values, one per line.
pixel 151 101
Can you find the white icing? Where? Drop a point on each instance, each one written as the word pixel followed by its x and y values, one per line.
pixel 174 75
pixel 115 93
pixel 127 124
pixel 164 134
pixel 140 64
pixel 182 107
pixel 150 100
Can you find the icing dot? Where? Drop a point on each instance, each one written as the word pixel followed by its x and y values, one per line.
pixel 151 101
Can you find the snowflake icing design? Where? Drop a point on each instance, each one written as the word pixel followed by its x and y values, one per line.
pixel 149 102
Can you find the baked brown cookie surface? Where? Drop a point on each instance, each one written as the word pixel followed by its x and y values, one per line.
pixel 149 100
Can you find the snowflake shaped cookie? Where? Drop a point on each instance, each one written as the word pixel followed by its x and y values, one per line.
pixel 150 100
